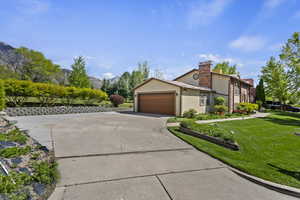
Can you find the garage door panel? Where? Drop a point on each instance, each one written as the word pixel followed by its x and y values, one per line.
pixel 159 103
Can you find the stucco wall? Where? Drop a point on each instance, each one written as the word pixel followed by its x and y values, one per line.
pixel 157 86
pixel 220 84
pixel 191 99
pixel 188 78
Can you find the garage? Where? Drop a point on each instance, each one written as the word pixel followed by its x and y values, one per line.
pixel 159 103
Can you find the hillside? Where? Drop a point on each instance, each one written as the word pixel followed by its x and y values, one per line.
pixel 15 62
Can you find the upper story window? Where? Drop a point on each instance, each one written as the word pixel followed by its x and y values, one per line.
pixel 237 88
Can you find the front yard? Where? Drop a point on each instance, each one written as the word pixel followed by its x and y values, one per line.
pixel 268 147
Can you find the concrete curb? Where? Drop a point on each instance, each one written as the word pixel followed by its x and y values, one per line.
pixel 174 124
pixel 268 184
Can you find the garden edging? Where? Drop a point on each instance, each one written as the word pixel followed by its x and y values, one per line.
pixel 268 184
pixel 214 140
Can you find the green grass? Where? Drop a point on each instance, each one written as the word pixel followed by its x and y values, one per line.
pixel 13 152
pixel 14 136
pixel 268 147
pixel 206 117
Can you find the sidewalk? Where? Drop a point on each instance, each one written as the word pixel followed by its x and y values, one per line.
pixel 256 115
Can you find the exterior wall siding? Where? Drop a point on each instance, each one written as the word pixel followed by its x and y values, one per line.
pixel 191 100
pixel 188 79
pixel 159 87
pixel 220 84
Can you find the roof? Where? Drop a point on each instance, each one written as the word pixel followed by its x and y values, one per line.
pixel 234 77
pixel 185 74
pixel 176 83
pixel 227 75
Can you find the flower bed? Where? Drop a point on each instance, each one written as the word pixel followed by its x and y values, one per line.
pixel 210 132
pixel 28 169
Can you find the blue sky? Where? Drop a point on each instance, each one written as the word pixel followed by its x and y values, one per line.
pixel 173 35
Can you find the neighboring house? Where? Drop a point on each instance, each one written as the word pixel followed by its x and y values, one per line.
pixel 195 89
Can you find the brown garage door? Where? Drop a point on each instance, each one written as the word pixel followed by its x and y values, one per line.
pixel 158 103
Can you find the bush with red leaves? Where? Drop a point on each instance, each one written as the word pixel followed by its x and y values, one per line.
pixel 116 100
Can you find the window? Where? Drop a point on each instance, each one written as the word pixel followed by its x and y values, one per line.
pixel 204 100
pixel 236 89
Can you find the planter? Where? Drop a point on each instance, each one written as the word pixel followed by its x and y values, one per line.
pixel 214 140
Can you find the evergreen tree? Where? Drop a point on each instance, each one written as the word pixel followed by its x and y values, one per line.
pixel 260 92
pixel 78 76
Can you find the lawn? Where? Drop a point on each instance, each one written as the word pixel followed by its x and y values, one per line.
pixel 207 117
pixel 268 147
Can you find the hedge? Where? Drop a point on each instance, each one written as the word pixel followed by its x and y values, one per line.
pixel 2 96
pixel 18 91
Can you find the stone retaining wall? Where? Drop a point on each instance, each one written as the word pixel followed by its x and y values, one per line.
pixel 23 111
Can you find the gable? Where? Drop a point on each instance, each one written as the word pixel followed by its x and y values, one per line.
pixel 188 78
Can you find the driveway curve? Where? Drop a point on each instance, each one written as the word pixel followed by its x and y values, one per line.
pixel 126 156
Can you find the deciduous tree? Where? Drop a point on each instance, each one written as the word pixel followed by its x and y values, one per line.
pixel 78 76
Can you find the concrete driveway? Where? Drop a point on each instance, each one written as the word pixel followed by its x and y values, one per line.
pixel 115 156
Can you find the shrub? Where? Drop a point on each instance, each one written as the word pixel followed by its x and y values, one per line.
pixel 91 96
pixel 259 104
pixel 2 96
pixel 219 100
pixel 116 100
pixel 47 93
pixel 191 113
pixel 209 129
pixel 45 172
pixel 17 92
pixel 221 109
pixel 247 107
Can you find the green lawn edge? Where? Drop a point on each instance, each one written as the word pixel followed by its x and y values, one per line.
pixel 270 165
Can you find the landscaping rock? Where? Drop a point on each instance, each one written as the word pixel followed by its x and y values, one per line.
pixel 16 161
pixel 39 188
pixel 5 144
pixel 25 170
pixel 3 197
pixel 298 134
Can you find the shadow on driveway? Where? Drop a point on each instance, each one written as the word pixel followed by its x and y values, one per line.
pixel 144 114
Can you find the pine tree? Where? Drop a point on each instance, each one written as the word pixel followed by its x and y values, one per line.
pixel 78 76
pixel 260 91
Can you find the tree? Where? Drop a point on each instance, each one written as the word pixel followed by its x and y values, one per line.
pixel 276 80
pixel 6 73
pixel 290 56
pixel 144 69
pixel 124 88
pixel 158 74
pixel 260 91
pixel 78 76
pixel 37 68
pixel 225 68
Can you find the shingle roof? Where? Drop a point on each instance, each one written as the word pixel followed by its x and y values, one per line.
pixel 185 85
pixel 177 83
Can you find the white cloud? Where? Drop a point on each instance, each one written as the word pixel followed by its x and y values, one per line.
pixel 248 43
pixel 33 7
pixel 217 59
pixel 108 75
pixel 276 47
pixel 206 12
pixel 271 4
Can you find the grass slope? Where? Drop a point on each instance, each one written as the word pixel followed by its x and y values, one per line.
pixel 269 148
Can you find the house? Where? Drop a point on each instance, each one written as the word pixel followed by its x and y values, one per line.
pixel 195 89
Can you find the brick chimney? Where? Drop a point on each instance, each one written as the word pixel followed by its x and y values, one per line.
pixel 205 74
pixel 249 80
